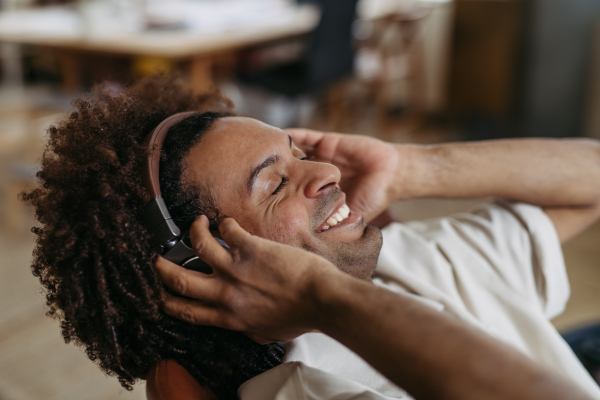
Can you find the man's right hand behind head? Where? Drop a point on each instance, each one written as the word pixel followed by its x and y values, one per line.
pixel 265 289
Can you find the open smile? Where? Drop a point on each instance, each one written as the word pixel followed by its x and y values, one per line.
pixel 340 217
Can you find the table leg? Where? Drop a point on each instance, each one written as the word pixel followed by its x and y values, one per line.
pixel 200 74
pixel 15 212
pixel 11 65
pixel 70 69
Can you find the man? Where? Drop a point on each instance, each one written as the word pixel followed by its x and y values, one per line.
pixel 498 269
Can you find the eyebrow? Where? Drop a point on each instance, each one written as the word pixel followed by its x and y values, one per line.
pixel 266 163
pixel 273 159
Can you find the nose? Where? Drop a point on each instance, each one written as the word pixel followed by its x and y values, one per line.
pixel 319 177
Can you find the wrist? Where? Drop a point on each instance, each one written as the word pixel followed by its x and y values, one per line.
pixel 415 173
pixel 335 294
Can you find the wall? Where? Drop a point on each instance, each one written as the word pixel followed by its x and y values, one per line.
pixel 556 67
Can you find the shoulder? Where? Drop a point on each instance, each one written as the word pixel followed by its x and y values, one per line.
pixel 500 245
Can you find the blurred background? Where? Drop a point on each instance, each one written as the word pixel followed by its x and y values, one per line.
pixel 420 71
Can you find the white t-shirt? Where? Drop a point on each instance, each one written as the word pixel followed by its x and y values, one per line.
pixel 499 268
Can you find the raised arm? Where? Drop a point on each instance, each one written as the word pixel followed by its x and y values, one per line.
pixel 276 292
pixel 561 175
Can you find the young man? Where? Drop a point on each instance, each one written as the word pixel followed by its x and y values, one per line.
pixel 498 268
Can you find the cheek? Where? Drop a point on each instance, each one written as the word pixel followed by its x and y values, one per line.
pixel 288 225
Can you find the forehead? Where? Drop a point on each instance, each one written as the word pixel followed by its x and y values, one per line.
pixel 226 154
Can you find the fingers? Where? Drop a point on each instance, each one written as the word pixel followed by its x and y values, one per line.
pixel 195 312
pixel 236 237
pixel 206 247
pixel 198 313
pixel 189 283
pixel 305 137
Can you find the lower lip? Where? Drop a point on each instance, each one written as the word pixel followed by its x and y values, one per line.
pixel 352 218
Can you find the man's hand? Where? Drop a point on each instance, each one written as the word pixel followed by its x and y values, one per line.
pixel 559 175
pixel 262 288
pixel 369 167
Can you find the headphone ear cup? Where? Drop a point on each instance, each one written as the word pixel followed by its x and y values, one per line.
pixel 182 254
pixel 197 264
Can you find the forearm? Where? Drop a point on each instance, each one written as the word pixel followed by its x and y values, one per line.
pixel 429 354
pixel 545 172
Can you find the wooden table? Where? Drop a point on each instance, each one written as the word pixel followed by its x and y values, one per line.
pixel 61 29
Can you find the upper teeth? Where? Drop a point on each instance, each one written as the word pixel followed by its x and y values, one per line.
pixel 341 214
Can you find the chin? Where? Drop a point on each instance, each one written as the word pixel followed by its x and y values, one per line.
pixel 359 258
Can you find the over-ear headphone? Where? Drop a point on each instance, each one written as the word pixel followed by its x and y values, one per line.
pixel 176 246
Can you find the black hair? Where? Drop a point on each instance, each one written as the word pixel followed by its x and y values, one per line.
pixel 186 201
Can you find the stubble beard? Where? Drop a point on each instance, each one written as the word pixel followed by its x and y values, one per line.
pixel 358 258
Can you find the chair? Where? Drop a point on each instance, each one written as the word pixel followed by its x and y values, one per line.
pixel 329 56
pixel 170 381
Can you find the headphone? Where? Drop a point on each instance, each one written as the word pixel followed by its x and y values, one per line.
pixel 176 247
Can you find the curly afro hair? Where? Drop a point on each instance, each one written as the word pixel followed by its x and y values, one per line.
pixel 93 255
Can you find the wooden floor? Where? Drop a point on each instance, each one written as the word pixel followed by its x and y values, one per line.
pixel 36 364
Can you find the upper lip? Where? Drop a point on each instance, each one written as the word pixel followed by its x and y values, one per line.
pixel 340 202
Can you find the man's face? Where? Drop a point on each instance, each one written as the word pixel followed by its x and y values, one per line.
pixel 261 179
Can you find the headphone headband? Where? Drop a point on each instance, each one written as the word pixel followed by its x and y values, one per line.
pixel 175 246
pixel 154 142
pixel 155 215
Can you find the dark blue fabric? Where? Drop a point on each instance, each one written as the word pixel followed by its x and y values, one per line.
pixel 330 54
pixel 585 342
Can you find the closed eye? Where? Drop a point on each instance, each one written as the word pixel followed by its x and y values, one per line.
pixel 284 181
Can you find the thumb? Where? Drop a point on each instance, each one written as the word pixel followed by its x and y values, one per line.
pixel 361 200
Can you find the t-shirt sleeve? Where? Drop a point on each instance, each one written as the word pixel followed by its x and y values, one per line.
pixel 520 242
